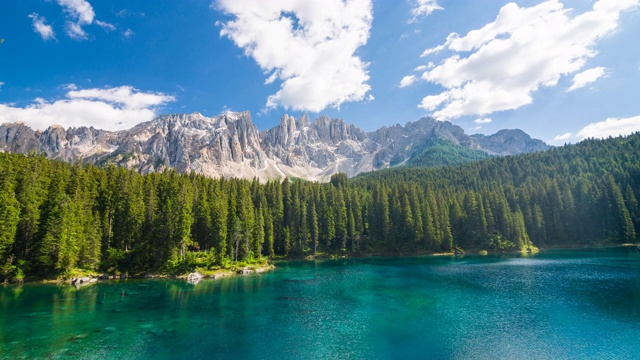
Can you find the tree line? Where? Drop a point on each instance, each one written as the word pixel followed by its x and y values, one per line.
pixel 56 217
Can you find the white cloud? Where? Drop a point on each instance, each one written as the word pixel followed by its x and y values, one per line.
pixel 75 31
pixel 79 10
pixel 105 26
pixel 126 96
pixel 562 137
pixel 482 120
pixel 586 77
pixel 80 13
pixel 308 45
pixel 610 127
pixel 1 84
pixel 111 109
pixel 45 31
pixel 407 80
pixel 430 65
pixel 433 50
pixel 499 66
pixel 128 33
pixel 423 8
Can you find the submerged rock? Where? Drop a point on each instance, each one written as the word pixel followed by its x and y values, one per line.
pixel 108 329
pixel 161 333
pixel 78 337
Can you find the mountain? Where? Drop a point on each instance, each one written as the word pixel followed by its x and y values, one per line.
pixel 230 145
pixel 509 142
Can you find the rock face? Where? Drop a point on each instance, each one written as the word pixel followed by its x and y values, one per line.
pixel 230 145
pixel 317 150
pixel 509 142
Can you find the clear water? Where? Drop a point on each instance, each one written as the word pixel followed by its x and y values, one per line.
pixel 557 305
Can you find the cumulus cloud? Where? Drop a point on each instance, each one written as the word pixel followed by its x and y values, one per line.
pixel 562 137
pixel 78 10
pixel 482 120
pixel 499 66
pixel 128 33
pixel 586 77
pixel 80 13
pixel 307 45
pixel 610 127
pixel 45 31
pixel 407 80
pixel 423 8
pixel 111 109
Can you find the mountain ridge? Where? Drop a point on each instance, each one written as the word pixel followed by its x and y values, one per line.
pixel 230 145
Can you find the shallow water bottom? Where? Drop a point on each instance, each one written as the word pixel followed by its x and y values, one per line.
pixel 560 305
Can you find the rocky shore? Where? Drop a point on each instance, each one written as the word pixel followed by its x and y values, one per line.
pixel 193 277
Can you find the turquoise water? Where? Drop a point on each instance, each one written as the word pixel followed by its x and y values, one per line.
pixel 551 306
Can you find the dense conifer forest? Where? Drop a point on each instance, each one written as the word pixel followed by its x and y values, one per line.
pixel 56 217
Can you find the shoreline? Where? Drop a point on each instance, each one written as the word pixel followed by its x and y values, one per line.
pixel 93 277
pixel 480 252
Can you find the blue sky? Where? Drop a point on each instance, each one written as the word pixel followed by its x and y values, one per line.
pixel 559 70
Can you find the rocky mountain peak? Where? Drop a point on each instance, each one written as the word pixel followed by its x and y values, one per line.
pixel 303 121
pixel 509 142
pixel 230 145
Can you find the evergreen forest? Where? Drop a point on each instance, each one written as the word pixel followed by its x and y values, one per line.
pixel 56 217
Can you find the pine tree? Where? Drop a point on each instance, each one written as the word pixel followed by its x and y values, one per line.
pixel 202 229
pixel 407 228
pixel 258 235
pixel 219 224
pixel 341 219
pixel 269 233
pixel 9 218
pixel 31 192
pixel 314 228
pixel 621 228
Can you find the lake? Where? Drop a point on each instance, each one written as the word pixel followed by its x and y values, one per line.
pixel 557 304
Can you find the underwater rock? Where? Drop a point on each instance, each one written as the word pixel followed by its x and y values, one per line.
pixel 78 337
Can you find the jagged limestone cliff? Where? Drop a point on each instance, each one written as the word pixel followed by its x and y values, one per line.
pixel 230 145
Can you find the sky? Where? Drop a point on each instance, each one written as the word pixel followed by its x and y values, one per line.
pixel 561 70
